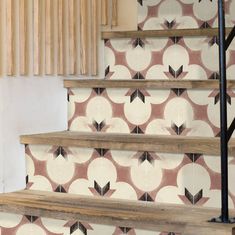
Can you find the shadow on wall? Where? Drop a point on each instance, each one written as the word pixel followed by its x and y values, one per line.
pixel 26 106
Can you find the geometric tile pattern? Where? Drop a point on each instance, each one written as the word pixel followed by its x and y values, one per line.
pixel 147 176
pixel 11 224
pixel 159 14
pixel 164 112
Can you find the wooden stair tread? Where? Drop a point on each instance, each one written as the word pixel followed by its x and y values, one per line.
pixel 186 220
pixel 162 33
pixel 132 142
pixel 150 84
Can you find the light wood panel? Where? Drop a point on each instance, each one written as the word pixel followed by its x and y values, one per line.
pixel 11 37
pixel 114 12
pixel 133 142
pixel 182 219
pixel 60 36
pixel 38 37
pixel 104 12
pixel 61 55
pixel 2 37
pixel 146 84
pixel 84 37
pixel 163 33
pixel 23 30
pixel 72 36
pixel 94 37
pixel 49 32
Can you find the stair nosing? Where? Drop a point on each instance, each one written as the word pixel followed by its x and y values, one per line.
pixel 189 32
pixel 145 84
pixel 120 212
pixel 131 142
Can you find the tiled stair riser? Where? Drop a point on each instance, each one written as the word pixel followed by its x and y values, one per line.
pixel 26 225
pixel 146 111
pixel 192 179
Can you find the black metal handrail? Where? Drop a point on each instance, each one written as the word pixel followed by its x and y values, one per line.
pixel 226 132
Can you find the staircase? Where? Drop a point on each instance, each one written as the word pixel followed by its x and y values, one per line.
pixel 127 158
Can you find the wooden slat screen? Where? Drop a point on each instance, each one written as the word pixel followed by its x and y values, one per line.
pixel 52 37
pixel 49 32
pixel 11 37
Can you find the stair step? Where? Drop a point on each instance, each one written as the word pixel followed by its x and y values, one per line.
pixel 132 142
pixel 162 33
pixel 187 220
pixel 150 84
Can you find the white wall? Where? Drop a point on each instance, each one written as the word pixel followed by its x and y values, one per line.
pixel 27 105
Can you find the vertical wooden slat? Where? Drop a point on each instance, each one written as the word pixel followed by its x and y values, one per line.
pixel 104 12
pixel 114 12
pixel 1 37
pixel 61 55
pixel 11 34
pixel 72 36
pixel 94 37
pixel 49 30
pixel 23 31
pixel 37 36
pixel 84 37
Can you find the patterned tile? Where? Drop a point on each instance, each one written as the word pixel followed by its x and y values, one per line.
pixel 25 225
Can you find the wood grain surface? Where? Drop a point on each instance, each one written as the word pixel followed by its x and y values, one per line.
pixel 186 220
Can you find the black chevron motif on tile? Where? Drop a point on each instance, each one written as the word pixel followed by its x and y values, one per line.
pixel 202 0
pixel 146 156
pixel 125 230
pixel 178 129
pixel 101 151
pixel 107 71
pixel 101 191
pixel 193 198
pixel 213 41
pixel 217 99
pixel 175 40
pixel 214 76
pixel 193 156
pixel 135 94
pixel 68 97
pixel 60 189
pixel 176 73
pixel 140 2
pixel 146 198
pixel 205 25
pixel 98 126
pixel 99 91
pixel 178 91
pixel 74 227
pixel 60 151
pixel 137 130
pixel 139 29
pixel 27 179
pixel 169 25
pixel 138 42
pixel 106 41
pixel 82 228
pixel 31 218
pixel 138 76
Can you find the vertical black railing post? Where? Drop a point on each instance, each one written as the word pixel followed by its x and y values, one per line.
pixel 223 115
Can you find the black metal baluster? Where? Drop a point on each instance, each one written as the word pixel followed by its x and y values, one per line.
pixel 223 115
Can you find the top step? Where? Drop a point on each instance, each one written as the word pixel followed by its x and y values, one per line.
pixel 181 219
pixel 132 142
pixel 209 32
pixel 146 84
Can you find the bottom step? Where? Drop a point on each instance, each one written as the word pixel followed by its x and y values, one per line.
pixel 186 220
